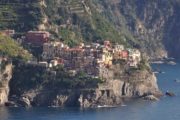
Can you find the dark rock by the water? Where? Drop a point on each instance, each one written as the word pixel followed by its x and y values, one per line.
pixel 177 80
pixel 110 93
pixel 24 102
pixel 171 94
pixel 150 97
pixel 10 104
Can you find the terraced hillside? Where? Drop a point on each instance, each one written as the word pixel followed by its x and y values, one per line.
pixel 72 20
pixel 21 15
pixel 77 20
pixel 150 25
pixel 76 6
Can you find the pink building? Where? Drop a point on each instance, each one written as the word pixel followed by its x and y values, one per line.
pixel 124 54
pixel 107 43
pixel 37 37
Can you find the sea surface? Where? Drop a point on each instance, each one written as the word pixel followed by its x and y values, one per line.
pixel 168 108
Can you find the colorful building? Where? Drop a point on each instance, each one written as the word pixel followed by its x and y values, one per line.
pixel 93 59
pixel 107 44
pixel 134 57
pixel 37 38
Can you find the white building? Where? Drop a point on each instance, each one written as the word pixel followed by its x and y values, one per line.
pixel 118 48
pixel 134 57
pixel 53 63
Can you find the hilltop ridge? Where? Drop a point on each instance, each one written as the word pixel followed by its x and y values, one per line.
pixel 149 25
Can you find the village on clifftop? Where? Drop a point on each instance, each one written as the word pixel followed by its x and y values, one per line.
pixel 92 59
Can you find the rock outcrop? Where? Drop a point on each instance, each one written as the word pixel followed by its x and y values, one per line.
pixel 171 94
pixel 151 98
pixel 139 84
pixel 24 102
pixel 84 98
pixel 5 76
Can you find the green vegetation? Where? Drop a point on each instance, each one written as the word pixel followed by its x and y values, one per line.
pixel 24 15
pixel 144 65
pixel 127 22
pixel 69 37
pixel 105 30
pixel 21 15
pixel 81 26
pixel 9 47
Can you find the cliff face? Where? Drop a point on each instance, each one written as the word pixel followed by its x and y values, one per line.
pixel 84 98
pixel 154 24
pixel 5 76
pixel 137 84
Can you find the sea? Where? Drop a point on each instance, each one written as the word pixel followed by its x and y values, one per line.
pixel 167 108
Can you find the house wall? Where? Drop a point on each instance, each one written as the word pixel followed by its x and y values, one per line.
pixel 37 37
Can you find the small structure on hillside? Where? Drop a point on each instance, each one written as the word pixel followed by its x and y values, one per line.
pixel 134 57
pixel 37 38
pixel 8 32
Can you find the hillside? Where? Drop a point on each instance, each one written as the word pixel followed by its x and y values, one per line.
pixel 40 86
pixel 155 24
pixel 21 15
pixel 150 25
pixel 9 47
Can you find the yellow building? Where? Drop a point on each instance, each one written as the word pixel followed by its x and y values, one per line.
pixel 107 57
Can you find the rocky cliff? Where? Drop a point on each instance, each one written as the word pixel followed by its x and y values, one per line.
pixel 109 93
pixel 5 76
pixel 35 90
pixel 154 24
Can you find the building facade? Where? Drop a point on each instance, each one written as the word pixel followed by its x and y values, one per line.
pixel 37 38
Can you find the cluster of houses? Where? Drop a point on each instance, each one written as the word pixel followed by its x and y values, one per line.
pixel 94 59
pixel 88 55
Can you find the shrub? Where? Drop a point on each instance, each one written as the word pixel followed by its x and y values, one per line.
pixel 10 48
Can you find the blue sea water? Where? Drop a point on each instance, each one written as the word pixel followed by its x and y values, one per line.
pixel 168 108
